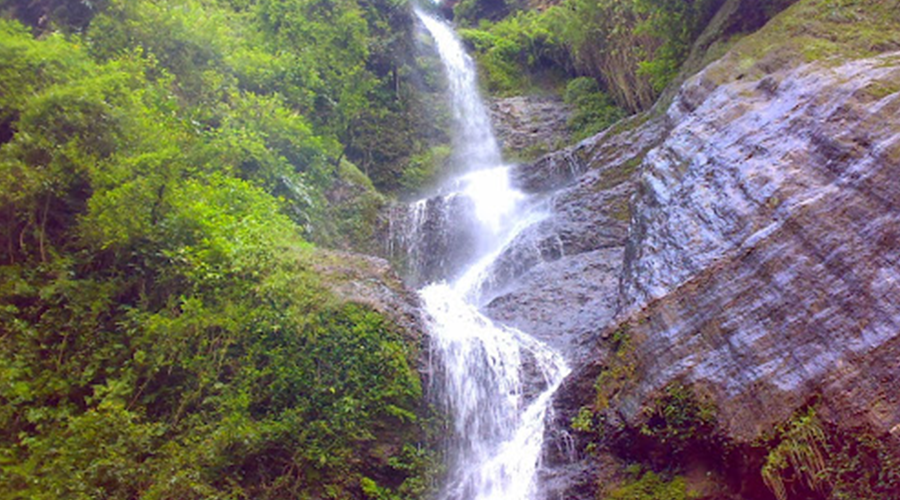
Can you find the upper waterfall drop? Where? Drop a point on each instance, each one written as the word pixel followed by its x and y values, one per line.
pixel 476 145
pixel 497 381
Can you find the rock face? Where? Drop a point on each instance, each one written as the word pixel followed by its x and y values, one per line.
pixel 371 281
pixel 764 254
pixel 561 276
pixel 426 240
pixel 747 241
pixel 530 123
pixel 763 257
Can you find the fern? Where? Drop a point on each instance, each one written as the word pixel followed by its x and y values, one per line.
pixel 800 452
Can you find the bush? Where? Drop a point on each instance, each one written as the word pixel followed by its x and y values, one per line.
pixel 162 331
pixel 650 486
pixel 514 51
pixel 594 110
pixel 424 168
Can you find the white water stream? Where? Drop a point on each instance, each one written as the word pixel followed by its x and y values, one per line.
pixel 497 381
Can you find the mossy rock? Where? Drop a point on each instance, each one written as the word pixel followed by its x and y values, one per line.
pixel 827 31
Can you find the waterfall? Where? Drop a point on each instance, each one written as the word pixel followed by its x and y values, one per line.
pixel 497 382
pixel 476 145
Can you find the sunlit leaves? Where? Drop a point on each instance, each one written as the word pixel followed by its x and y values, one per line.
pixel 162 334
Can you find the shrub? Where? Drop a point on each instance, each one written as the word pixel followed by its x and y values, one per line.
pixel 594 110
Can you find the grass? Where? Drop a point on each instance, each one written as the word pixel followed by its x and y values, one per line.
pixel 651 486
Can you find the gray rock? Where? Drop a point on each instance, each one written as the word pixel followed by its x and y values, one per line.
pixel 763 259
pixel 427 240
pixel 561 302
pixel 613 151
pixel 371 281
pixel 526 124
pixel 764 256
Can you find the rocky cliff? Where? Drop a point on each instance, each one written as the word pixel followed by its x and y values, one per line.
pixel 529 125
pixel 726 272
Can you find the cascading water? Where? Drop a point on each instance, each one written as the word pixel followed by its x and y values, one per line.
pixel 475 141
pixel 497 381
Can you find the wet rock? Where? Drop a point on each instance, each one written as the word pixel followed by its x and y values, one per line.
pixel 530 124
pixel 549 172
pixel 610 151
pixel 582 219
pixel 371 281
pixel 427 240
pixel 561 302
pixel 559 279
pixel 763 257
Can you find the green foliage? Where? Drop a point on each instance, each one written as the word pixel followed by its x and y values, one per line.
pixel 678 24
pixel 679 420
pixel 809 457
pixel 424 168
pixel 162 331
pixel 606 45
pixel 514 51
pixel 861 465
pixel 583 422
pixel 633 48
pixel 346 69
pixel 469 12
pixel 594 110
pixel 599 39
pixel 800 451
pixel 650 486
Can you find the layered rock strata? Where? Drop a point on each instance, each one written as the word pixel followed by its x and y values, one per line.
pixel 530 124
pixel 762 263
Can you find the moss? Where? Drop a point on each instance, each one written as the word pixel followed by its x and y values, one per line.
pixel 614 176
pixel 651 486
pixel 528 154
pixel 630 123
pixel 618 372
pixel 829 31
pixel 621 211
pixel 882 89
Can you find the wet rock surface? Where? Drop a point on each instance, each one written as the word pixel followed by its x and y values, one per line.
pixel 559 302
pixel 616 147
pixel 426 239
pixel 371 281
pixel 764 255
pixel 559 279
pixel 762 262
pixel 747 241
pixel 530 123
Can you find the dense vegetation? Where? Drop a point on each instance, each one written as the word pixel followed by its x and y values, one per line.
pixel 163 330
pixel 169 171
pixel 632 48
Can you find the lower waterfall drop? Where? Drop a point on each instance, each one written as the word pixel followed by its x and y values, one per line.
pixel 497 381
